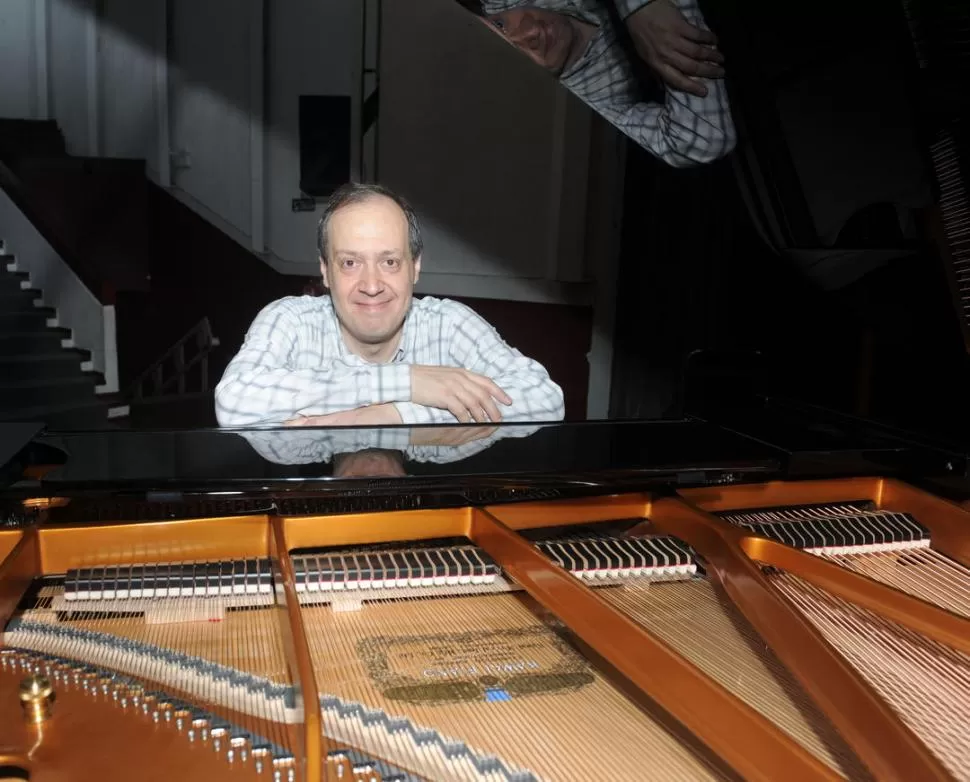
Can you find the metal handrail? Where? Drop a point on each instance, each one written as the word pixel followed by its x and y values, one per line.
pixel 201 338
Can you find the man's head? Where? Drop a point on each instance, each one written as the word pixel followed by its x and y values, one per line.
pixel 370 463
pixel 370 257
pixel 551 39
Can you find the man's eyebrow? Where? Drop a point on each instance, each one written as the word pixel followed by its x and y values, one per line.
pixel 357 254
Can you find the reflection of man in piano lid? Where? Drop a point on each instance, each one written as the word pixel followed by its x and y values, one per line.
pixel 354 451
pixel 578 43
pixel 368 353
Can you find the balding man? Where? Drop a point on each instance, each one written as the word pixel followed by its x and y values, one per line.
pixel 369 353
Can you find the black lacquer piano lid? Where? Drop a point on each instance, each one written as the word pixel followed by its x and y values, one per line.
pixel 207 460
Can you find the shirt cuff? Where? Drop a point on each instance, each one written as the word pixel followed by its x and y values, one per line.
pixel 412 413
pixel 392 383
pixel 626 8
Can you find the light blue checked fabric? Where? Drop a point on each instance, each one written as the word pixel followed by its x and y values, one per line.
pixel 293 362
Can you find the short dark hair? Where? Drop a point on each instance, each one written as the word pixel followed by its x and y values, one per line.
pixel 475 6
pixel 355 193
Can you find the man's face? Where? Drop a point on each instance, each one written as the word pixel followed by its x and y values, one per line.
pixel 369 270
pixel 549 38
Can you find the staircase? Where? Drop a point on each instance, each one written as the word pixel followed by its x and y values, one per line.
pixel 43 377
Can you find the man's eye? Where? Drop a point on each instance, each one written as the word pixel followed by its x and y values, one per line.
pixel 347 263
pixel 392 262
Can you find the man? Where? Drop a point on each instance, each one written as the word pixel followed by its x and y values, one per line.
pixel 369 353
pixel 687 123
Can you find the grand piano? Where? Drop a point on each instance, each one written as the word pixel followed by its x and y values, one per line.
pixel 770 592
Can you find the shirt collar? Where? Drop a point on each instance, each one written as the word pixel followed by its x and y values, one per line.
pixel 404 348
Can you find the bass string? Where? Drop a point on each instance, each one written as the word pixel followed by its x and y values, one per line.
pixel 249 641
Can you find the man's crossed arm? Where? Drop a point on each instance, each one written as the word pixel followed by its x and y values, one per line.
pixel 679 52
pixel 487 381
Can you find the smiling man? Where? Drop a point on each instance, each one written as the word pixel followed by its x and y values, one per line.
pixel 369 353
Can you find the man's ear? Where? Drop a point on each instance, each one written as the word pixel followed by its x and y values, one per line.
pixel 417 268
pixel 323 271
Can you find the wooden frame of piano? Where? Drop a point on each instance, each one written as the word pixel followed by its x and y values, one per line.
pixel 731 734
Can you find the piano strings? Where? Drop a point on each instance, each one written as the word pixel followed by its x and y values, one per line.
pixel 430 660
pixel 927 683
pixel 177 644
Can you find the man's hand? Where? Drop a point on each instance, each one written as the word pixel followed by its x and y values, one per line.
pixel 450 435
pixel 675 49
pixel 466 395
pixel 374 415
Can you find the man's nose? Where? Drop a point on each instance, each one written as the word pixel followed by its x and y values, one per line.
pixel 525 32
pixel 371 282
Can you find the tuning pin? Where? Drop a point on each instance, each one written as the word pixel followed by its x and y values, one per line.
pixel 218 733
pixel 199 726
pixel 260 753
pixel 181 715
pixel 365 772
pixel 339 766
pixel 239 747
pixel 284 768
pixel 163 711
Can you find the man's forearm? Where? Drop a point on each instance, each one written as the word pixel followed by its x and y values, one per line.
pixel 370 415
pixel 626 8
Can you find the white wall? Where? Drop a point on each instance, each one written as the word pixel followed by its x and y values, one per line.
pixel 18 61
pixel 126 64
pixel 513 147
pixel 71 81
pixel 210 105
pixel 314 50
pixel 460 106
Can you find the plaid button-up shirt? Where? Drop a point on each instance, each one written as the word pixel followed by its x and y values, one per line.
pixel 302 445
pixel 683 130
pixel 294 362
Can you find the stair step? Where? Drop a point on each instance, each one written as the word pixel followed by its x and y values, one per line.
pixel 69 415
pixel 65 363
pixel 12 282
pixel 65 356
pixel 40 341
pixel 18 301
pixel 28 319
pixel 32 392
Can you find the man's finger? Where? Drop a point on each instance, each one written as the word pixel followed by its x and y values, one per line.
pixel 492 388
pixel 459 411
pixel 696 68
pixel 693 33
pixel 697 51
pixel 489 406
pixel 473 408
pixel 677 80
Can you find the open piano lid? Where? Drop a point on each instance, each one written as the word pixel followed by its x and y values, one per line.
pixel 291 459
pixel 774 439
